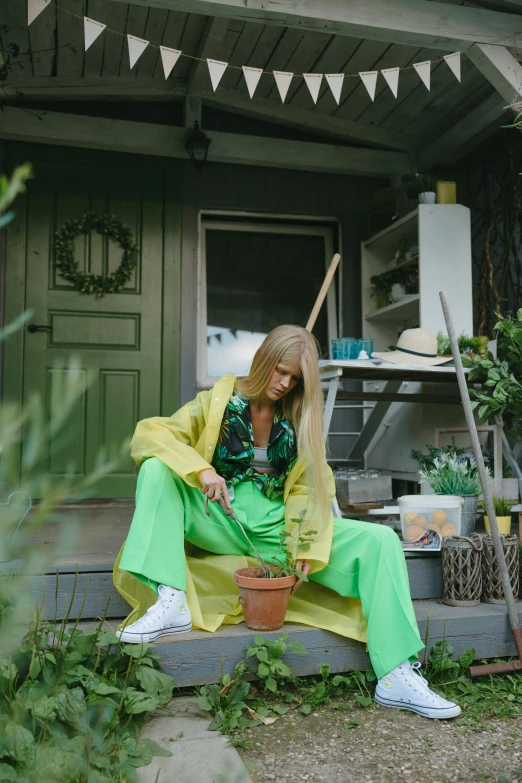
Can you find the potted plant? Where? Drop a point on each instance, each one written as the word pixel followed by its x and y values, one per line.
pixel 393 285
pixel 426 188
pixel 502 507
pixel 264 590
pixel 454 474
pixel 468 346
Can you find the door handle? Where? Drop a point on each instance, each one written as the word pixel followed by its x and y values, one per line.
pixel 32 328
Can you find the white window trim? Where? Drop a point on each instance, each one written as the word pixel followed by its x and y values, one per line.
pixel 291 225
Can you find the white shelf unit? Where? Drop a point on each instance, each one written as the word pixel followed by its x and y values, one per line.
pixel 443 234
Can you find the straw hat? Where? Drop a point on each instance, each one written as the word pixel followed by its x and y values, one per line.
pixel 414 347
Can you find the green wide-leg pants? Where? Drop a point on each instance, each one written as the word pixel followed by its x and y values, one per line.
pixel 366 560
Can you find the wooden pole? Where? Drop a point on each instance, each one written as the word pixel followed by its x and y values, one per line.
pixel 497 541
pixel 322 293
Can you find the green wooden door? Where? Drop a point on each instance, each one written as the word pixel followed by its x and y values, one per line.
pixel 119 337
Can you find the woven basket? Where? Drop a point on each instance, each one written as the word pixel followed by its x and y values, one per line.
pixel 492 592
pixel 461 570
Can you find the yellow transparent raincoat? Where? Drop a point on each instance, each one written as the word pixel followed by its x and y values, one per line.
pixel 185 442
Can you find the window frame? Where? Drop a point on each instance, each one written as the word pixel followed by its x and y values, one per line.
pixel 270 224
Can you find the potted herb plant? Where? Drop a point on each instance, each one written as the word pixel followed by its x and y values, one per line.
pixel 502 508
pixel 454 474
pixel 394 284
pixel 468 346
pixel 426 188
pixel 264 590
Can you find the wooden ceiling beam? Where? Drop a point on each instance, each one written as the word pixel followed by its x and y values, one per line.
pixel 500 68
pixel 169 141
pixel 312 121
pixel 77 88
pixel 421 23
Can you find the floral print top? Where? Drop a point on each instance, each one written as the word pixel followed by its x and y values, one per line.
pixel 235 449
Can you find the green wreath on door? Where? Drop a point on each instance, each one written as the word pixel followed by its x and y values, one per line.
pixel 86 282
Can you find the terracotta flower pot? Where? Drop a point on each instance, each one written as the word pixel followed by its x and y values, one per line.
pixel 504 525
pixel 264 601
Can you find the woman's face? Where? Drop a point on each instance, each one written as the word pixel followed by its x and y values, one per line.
pixel 285 377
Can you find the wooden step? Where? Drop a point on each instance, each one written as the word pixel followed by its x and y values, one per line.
pixel 100 534
pixel 198 657
pixel 96 587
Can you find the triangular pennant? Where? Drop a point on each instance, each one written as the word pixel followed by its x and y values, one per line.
pixel 453 60
pixel 169 58
pixel 216 69
pixel 335 82
pixel 252 77
pixel 283 79
pixel 392 77
pixel 313 82
pixel 424 71
pixel 369 79
pixel 136 48
pixel 92 29
pixel 35 8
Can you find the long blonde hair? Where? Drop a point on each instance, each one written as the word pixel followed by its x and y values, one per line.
pixel 303 406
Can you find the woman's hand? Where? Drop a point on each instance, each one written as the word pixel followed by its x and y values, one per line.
pixel 215 488
pixel 302 565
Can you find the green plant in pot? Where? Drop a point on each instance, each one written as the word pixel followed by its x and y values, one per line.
pixel 264 590
pixel 426 188
pixel 502 508
pixel 382 285
pixel 453 474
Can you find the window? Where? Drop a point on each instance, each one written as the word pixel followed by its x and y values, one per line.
pixel 254 276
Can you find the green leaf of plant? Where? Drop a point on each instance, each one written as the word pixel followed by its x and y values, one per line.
pixel 103 689
pixel 295 647
pixel 352 724
pixel 262 655
pixel 306 709
pixel 259 640
pixel 8 774
pixel 467 658
pixel 271 684
pixel 263 670
pixel 108 638
pixel 156 683
pixel 136 701
pixel 135 650
pixel 19 743
pixel 279 709
pixel 154 748
pixel 364 701
pixel 203 703
pixel 71 706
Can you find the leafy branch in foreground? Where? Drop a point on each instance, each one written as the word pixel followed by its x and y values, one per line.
pixel 72 704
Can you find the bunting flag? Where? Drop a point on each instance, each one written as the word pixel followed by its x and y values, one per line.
pixel 453 60
pixel 424 71
pixel 392 78
pixel 216 69
pixel 92 30
pixel 313 82
pixel 136 48
pixel 35 8
pixel 335 82
pixel 283 79
pixel 252 77
pixel 369 79
pixel 169 58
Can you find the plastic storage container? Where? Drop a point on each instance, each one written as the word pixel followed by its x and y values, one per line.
pixel 427 519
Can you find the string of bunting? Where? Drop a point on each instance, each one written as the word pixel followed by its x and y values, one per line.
pixel 283 79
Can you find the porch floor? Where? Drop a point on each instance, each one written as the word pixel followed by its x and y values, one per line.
pixel 198 657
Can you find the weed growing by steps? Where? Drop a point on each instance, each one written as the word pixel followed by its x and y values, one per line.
pixel 72 705
pixel 238 704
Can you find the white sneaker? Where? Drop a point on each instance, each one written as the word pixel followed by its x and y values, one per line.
pixel 170 614
pixel 404 688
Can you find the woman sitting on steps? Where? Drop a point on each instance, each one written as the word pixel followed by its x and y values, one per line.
pixel 257 444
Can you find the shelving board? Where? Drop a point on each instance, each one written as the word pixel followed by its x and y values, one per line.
pixel 401 229
pixel 408 307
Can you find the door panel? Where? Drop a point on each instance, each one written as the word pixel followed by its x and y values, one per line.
pixel 118 337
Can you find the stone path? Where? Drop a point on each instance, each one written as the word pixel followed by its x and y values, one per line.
pixel 198 755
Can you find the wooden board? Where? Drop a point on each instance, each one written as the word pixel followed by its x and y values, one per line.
pixel 198 657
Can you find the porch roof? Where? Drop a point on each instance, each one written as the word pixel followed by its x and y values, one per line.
pixel 432 126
